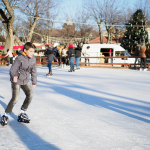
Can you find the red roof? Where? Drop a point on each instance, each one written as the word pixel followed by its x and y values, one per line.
pixel 97 40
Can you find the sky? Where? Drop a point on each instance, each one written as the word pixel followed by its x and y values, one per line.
pixel 70 7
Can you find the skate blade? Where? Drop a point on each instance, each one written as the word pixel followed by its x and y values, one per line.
pixel 3 123
pixel 23 121
pixel 20 119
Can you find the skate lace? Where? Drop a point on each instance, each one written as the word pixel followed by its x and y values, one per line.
pixel 25 115
pixel 5 118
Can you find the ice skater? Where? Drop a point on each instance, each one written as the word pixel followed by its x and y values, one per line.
pixel 9 53
pixel 71 57
pixel 78 56
pixel 23 66
pixel 50 57
pixel 86 54
pixel 64 55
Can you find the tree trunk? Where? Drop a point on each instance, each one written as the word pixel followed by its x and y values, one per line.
pixel 110 38
pixel 29 37
pixel 100 33
pixel 17 40
pixel 10 37
pixel 110 31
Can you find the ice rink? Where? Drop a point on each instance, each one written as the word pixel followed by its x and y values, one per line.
pixel 89 109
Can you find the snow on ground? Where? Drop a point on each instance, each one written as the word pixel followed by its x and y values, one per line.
pixel 90 109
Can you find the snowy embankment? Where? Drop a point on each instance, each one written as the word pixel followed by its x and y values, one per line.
pixel 90 109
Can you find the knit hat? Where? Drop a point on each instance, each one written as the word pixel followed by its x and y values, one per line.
pixel 71 45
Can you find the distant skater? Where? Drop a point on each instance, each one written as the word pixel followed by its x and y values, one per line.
pixel 78 56
pixel 23 66
pixel 143 58
pixel 9 53
pixel 50 57
pixel 64 56
pixel 71 57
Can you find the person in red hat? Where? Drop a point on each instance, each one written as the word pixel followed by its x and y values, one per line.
pixel 71 57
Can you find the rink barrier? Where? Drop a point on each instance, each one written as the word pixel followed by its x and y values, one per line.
pixel 38 58
pixel 3 62
pixel 122 64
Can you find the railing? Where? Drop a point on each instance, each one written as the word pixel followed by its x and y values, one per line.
pixel 3 61
pixel 83 63
pixel 42 60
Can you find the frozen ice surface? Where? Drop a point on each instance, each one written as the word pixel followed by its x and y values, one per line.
pixel 89 109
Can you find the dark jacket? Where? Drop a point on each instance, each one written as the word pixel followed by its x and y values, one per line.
pixel 71 52
pixel 56 52
pixel 22 67
pixel 45 53
pixel 49 54
pixel 78 52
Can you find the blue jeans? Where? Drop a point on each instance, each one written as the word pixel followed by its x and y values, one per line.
pixel 49 66
pixel 72 63
pixel 77 62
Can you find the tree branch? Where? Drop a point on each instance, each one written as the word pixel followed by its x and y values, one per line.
pixel 9 8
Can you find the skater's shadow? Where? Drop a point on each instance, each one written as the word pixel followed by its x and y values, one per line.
pixel 1 97
pixel 122 107
pixel 5 71
pixel 29 138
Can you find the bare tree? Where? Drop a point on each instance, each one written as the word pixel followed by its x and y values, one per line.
pixel 112 16
pixel 39 9
pixel 7 17
pixel 83 28
pixel 96 11
pixel 34 9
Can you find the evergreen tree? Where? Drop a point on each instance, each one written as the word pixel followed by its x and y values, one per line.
pixel 135 32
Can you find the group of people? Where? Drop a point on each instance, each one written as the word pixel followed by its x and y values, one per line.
pixel 68 57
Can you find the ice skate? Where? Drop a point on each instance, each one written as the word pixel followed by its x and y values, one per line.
pixel 64 66
pixel 145 69
pixel 78 68
pixel 49 74
pixel 71 70
pixel 23 117
pixel 4 120
pixel 141 69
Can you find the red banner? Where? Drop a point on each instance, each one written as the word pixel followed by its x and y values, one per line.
pixel 14 47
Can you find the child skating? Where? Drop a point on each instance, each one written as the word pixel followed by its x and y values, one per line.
pixel 23 66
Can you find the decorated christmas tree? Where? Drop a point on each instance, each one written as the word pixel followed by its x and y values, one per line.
pixel 135 32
